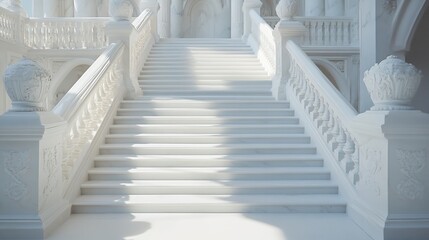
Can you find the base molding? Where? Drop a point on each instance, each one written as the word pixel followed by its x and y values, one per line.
pixel 33 227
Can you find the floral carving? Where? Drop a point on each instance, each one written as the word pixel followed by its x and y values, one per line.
pixel 392 84
pixel 412 163
pixel 50 170
pixel 390 5
pixel 16 165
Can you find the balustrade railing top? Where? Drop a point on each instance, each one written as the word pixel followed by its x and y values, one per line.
pixel 326 31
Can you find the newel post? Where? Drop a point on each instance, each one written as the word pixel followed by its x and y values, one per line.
pixel 120 29
pixel 247 22
pixel 31 186
pixel 394 155
pixel 286 29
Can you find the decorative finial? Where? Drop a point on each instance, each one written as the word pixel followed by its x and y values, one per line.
pixel 392 84
pixel 287 9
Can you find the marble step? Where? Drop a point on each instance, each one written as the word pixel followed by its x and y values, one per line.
pixel 208 187
pixel 184 111
pixel 207 149
pixel 215 104
pixel 209 63
pixel 220 71
pixel 242 120
pixel 209 203
pixel 204 98
pixel 208 173
pixel 206 129
pixel 259 160
pixel 206 138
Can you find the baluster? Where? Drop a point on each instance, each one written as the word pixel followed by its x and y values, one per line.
pixel 346 36
pixel 310 99
pixel 341 141
pixel 316 107
pixel 349 148
pixel 320 114
pixel 325 119
pixel 331 124
pixel 333 132
pixel 340 27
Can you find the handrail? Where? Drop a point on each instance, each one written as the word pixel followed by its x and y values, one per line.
pixel 143 40
pixel 86 104
pixel 262 41
pixel 330 112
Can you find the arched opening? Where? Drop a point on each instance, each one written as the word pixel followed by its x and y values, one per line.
pixel 419 56
pixel 67 82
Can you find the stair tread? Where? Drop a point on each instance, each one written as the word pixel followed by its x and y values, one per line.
pixel 213 157
pixel 189 170
pixel 318 199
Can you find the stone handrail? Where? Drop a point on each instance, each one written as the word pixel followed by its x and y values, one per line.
pixel 86 104
pixel 326 31
pixel 261 40
pixel 66 33
pixel 328 110
pixel 143 39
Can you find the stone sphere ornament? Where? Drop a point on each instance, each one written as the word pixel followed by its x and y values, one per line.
pixel 287 9
pixel 121 10
pixel 27 84
pixel 392 84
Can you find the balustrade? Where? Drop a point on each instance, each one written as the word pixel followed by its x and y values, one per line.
pixel 326 108
pixel 66 33
pixel 324 31
pixel 262 41
pixel 10 26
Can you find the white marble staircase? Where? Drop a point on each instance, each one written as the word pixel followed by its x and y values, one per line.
pixel 206 136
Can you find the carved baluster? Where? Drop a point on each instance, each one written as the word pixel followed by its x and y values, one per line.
pixel 349 148
pixel 341 141
pixel 346 36
pixel 331 123
pixel 310 100
pixel 316 106
pixel 320 114
pixel 325 119
pixel 354 174
pixel 333 33
pixel 303 90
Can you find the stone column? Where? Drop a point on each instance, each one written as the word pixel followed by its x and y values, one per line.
pixel 334 8
pixel 176 18
pixel 164 18
pixel 247 6
pixel 30 156
pixel 236 19
pixel 287 29
pixel 85 8
pixel 51 8
pixel 314 8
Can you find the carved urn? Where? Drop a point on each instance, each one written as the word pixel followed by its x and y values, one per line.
pixel 392 84
pixel 287 9
pixel 27 85
pixel 121 10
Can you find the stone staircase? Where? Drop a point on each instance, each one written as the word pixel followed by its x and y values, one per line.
pixel 206 136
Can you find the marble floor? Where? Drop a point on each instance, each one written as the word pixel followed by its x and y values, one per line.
pixel 209 227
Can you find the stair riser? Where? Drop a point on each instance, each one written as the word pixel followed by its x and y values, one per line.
pixel 205 163
pixel 224 190
pixel 204 105
pixel 207 176
pixel 172 84
pixel 206 64
pixel 205 140
pixel 196 113
pixel 203 151
pixel 202 130
pixel 197 120
pixel 210 208
pixel 204 72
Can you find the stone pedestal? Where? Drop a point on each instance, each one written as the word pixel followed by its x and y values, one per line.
pixel 164 18
pixel 85 8
pixel 32 201
pixel 236 19
pixel 247 6
pixel 122 31
pixel 315 8
pixel 394 184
